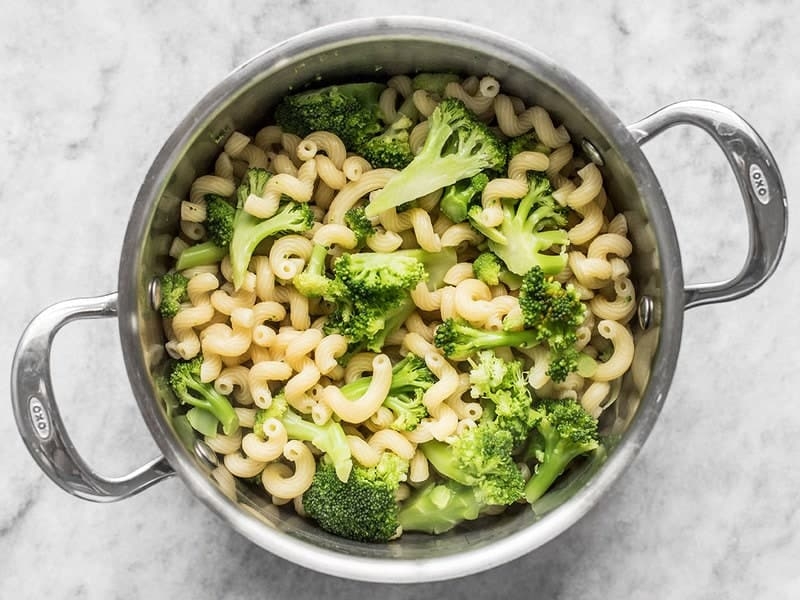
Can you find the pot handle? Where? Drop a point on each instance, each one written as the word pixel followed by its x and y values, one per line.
pixel 39 421
pixel 759 182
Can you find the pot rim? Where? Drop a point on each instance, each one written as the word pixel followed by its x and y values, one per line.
pixel 133 300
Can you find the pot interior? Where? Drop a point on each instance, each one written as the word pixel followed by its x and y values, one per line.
pixel 379 50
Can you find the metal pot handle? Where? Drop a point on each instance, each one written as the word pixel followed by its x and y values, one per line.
pixel 759 181
pixel 39 421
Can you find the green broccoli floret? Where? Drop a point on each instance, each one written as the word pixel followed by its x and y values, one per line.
pixel 372 303
pixel 437 508
pixel 350 111
pixel 198 255
pixel 566 431
pixel 328 438
pixel 507 399
pixel 553 312
pixel 457 147
pixel 390 149
pixel 358 222
pixel 480 457
pixel 220 215
pixel 172 288
pixel 364 508
pixel 435 83
pixel 410 379
pixel 184 379
pixel 379 275
pixel 312 281
pixel 459 340
pixel 249 231
pixel 492 271
pixel 527 142
pixel 457 198
pixel 530 227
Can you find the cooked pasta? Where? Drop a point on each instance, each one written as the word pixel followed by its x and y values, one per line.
pixel 324 368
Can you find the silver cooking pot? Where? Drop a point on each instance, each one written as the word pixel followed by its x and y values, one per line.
pixel 378 48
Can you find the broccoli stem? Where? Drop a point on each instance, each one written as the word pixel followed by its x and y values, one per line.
pixel 546 474
pixel 438 508
pixel 207 253
pixel 441 456
pixel 330 438
pixel 213 402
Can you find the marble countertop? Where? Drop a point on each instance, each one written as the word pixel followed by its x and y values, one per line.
pixel 88 93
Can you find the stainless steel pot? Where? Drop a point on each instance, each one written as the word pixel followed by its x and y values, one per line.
pixel 374 48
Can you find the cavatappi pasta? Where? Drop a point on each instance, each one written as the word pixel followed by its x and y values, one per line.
pixel 264 339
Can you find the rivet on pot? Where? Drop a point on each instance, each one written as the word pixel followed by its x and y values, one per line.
pixel 205 454
pixel 154 293
pixel 592 152
pixel 645 312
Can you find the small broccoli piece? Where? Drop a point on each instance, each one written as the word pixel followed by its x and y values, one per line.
pixel 566 432
pixel 372 303
pixel 480 457
pixel 313 282
pixel 350 111
pixel 220 215
pixel 329 438
pixel 435 83
pixel 379 275
pixel 437 508
pixel 530 228
pixel 184 379
pixel 249 231
pixel 364 507
pixel 457 198
pixel 358 222
pixel 502 383
pixel 527 142
pixel 205 253
pixel 172 288
pixel 391 149
pixel 554 313
pixel 492 271
pixel 457 147
pixel 460 340
pixel 410 379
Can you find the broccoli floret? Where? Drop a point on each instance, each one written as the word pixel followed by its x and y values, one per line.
pixel 492 271
pixel 554 313
pixel 507 397
pixel 329 438
pixel 372 299
pixel 480 457
pixel 184 379
pixel 390 149
pixel 350 111
pixel 410 379
pixel 198 255
pixel 379 275
pixel 249 231
pixel 566 431
pixel 172 287
pixel 530 227
pixel 435 83
pixel 313 282
pixel 457 198
pixel 220 215
pixel 459 340
pixel 437 508
pixel 527 142
pixel 364 508
pixel 358 222
pixel 457 147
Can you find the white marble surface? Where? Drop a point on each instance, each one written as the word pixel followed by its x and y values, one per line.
pixel 88 93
